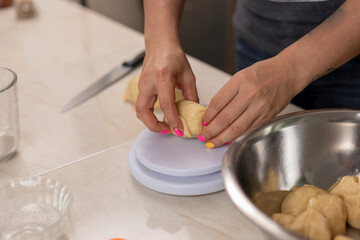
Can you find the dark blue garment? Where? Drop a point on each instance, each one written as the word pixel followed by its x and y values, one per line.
pixel 338 89
pixel 271 26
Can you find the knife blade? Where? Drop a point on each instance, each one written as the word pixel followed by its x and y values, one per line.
pixel 107 80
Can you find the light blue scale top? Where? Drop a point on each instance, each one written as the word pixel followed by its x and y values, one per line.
pixel 174 165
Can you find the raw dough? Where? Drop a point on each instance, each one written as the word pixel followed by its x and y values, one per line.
pixel 283 219
pixel 333 208
pixel 349 188
pixel 191 114
pixel 312 224
pixel 131 92
pixel 296 202
pixel 271 182
pixel 316 214
pixel 342 237
pixel 270 202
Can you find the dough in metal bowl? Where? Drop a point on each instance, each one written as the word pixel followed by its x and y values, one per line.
pixel 312 224
pixel 349 188
pixel 296 202
pixel 333 208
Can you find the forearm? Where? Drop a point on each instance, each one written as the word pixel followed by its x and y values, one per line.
pixel 327 47
pixel 162 18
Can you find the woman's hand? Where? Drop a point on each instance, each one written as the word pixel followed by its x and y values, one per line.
pixel 258 93
pixel 165 68
pixel 250 98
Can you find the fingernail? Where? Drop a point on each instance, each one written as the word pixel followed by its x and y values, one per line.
pixel 227 143
pixel 209 145
pixel 201 138
pixel 178 132
pixel 205 124
pixel 164 132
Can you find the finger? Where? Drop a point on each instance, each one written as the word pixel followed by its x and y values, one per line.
pixel 188 86
pixel 237 128
pixel 263 119
pixel 219 102
pixel 224 118
pixel 167 104
pixel 145 112
pixel 177 85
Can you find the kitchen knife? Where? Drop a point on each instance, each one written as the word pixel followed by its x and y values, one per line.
pixel 110 78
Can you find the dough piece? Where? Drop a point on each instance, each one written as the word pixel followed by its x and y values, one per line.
pixel 270 202
pixel 271 182
pixel 349 188
pixel 333 208
pixel 296 202
pixel 342 237
pixel 312 225
pixel 283 219
pixel 132 91
pixel 191 114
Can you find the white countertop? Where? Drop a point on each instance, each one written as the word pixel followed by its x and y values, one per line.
pixel 56 55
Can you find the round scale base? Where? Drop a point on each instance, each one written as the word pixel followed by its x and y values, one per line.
pixel 176 166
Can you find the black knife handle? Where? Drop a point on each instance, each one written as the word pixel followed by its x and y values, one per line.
pixel 136 61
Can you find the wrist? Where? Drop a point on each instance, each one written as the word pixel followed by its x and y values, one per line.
pixel 298 71
pixel 155 41
pixel 163 47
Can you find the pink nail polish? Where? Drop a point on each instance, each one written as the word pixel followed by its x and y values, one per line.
pixel 201 138
pixel 227 143
pixel 164 132
pixel 205 124
pixel 178 132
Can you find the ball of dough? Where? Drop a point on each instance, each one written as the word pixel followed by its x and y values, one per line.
pixel 283 219
pixel 312 224
pixel 191 114
pixel 342 237
pixel 132 91
pixel 349 188
pixel 333 208
pixel 270 202
pixel 296 202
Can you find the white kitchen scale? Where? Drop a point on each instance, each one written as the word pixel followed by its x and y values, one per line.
pixel 174 165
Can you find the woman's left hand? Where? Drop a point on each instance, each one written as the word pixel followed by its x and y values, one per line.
pixel 251 97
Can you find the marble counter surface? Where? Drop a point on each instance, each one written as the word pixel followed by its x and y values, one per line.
pixel 56 55
pixel 109 203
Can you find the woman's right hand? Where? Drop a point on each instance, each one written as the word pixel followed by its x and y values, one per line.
pixel 165 68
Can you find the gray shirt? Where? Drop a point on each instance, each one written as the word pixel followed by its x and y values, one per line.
pixel 273 25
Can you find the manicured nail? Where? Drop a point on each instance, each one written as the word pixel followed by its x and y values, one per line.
pixel 178 132
pixel 164 132
pixel 209 145
pixel 205 124
pixel 227 143
pixel 201 138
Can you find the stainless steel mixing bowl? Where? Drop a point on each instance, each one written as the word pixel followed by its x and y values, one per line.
pixel 310 147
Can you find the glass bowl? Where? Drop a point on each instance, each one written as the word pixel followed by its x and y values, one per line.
pixel 33 208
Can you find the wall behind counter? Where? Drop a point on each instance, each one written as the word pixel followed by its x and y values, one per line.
pixel 206 30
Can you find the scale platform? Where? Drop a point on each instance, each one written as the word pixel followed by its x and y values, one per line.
pixel 177 166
